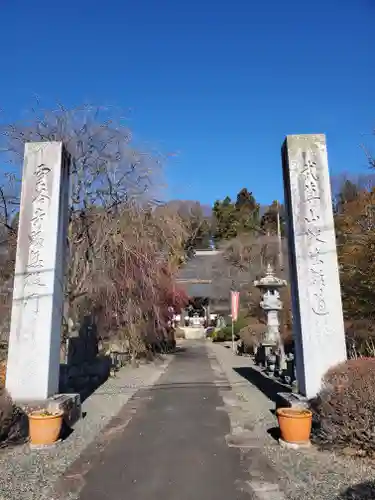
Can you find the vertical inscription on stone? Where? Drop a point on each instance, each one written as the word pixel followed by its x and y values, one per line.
pixel 33 279
pixel 39 206
pixel 317 309
pixel 313 232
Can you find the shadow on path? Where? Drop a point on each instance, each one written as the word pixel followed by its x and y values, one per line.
pixel 268 386
pixel 361 491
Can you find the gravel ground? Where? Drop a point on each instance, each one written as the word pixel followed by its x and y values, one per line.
pixel 28 475
pixel 310 474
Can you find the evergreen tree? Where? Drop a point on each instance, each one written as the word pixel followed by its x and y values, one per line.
pixel 232 219
pixel 225 220
pixel 247 211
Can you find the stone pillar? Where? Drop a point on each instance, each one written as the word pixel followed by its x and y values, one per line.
pixel 317 309
pixel 273 334
pixel 38 294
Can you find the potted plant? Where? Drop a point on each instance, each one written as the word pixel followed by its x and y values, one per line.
pixel 295 424
pixel 45 426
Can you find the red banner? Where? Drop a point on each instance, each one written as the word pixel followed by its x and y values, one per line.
pixel 235 300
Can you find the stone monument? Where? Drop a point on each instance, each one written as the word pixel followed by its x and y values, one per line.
pixel 38 294
pixel 271 304
pixel 317 309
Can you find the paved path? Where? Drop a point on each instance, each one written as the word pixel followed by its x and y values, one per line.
pixel 174 447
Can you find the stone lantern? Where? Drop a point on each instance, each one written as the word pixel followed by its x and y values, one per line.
pixel 271 304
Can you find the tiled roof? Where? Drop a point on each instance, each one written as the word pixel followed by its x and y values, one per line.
pixel 206 275
pixel 200 267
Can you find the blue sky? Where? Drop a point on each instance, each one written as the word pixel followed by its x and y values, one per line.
pixel 219 83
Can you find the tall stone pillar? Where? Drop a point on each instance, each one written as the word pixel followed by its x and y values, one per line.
pixel 38 294
pixel 317 309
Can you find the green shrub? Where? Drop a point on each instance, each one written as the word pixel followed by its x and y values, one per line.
pixel 224 335
pixel 345 408
pixel 241 322
pixel 210 332
pixel 214 335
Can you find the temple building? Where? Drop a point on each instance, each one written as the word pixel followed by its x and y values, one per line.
pixel 199 278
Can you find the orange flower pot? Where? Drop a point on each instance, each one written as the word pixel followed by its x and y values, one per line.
pixel 44 427
pixel 295 424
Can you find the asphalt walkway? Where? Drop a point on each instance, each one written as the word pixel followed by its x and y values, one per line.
pixel 174 446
